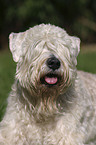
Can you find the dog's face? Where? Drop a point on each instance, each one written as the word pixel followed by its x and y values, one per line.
pixel 46 59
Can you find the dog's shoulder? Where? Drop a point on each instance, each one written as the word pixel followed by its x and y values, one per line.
pixel 89 81
pixel 87 76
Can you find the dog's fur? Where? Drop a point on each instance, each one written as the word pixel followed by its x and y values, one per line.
pixel 42 113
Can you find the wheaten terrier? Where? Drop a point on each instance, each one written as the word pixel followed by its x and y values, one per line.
pixel 51 103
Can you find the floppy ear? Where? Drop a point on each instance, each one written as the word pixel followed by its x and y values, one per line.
pixel 15 43
pixel 74 49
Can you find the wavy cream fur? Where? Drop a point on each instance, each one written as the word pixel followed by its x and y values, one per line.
pixel 63 114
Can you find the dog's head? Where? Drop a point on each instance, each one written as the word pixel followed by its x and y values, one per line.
pixel 46 59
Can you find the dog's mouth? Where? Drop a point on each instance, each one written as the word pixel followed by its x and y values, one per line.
pixel 50 79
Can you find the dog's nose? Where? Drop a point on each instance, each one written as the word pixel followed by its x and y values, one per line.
pixel 53 63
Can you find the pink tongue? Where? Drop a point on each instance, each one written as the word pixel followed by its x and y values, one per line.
pixel 51 81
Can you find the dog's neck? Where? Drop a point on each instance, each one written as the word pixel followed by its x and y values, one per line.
pixel 47 108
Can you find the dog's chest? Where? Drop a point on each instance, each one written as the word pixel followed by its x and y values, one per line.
pixel 58 132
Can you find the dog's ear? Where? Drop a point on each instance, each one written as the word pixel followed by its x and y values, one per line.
pixel 15 43
pixel 75 48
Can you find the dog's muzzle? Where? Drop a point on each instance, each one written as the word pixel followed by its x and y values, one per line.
pixel 52 78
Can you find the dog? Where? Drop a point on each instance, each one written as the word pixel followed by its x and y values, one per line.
pixel 51 103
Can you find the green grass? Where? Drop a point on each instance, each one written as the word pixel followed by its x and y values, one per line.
pixel 7 71
pixel 86 62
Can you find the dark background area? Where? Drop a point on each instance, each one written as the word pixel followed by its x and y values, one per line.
pixel 77 17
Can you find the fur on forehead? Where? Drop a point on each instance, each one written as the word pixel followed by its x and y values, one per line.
pixel 19 42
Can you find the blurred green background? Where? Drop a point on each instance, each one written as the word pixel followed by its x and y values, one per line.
pixel 77 17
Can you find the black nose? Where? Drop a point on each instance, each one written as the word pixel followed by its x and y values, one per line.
pixel 53 63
